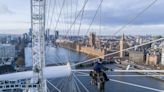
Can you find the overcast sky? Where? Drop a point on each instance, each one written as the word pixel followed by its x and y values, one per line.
pixel 15 16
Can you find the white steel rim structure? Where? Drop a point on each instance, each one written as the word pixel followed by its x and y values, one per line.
pixel 48 72
pixel 38 44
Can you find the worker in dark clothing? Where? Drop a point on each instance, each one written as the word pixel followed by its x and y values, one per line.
pixel 98 67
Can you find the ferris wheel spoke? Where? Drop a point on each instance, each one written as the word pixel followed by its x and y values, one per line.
pixel 63 58
pixel 81 70
pixel 84 58
pixel 48 89
pixel 64 84
pixel 52 81
pixel 73 86
pixel 59 60
pixel 60 83
pixel 54 86
pixel 81 83
pixel 77 86
pixel 136 75
pixel 82 73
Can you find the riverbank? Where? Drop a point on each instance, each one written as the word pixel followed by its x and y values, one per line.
pixel 84 49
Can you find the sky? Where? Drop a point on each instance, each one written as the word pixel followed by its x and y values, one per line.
pixel 15 16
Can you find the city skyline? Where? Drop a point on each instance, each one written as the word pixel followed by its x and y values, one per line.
pixel 15 20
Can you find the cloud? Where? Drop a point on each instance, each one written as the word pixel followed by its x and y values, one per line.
pixel 115 12
pixel 4 9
